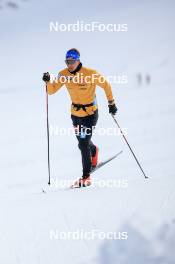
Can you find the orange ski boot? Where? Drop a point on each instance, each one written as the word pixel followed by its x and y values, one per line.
pixel 82 182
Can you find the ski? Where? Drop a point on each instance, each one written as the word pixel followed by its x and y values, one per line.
pixel 101 164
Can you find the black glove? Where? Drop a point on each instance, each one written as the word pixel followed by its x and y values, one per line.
pixel 46 77
pixel 112 109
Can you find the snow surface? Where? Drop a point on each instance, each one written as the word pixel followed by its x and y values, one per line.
pixel 142 208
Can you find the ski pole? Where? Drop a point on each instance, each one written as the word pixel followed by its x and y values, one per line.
pixel 129 146
pixel 48 145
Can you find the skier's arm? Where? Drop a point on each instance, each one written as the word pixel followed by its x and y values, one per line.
pixel 52 86
pixel 103 83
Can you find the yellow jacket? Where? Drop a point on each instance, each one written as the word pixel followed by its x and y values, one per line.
pixel 81 87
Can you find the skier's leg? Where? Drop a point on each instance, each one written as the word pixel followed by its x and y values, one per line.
pixel 92 148
pixel 86 156
pixel 88 149
pixel 86 146
pixel 83 144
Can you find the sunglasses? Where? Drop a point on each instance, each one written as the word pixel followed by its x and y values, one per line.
pixel 70 62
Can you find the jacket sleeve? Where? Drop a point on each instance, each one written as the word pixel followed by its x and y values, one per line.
pixel 103 83
pixel 54 86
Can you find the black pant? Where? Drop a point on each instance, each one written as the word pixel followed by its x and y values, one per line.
pixel 84 128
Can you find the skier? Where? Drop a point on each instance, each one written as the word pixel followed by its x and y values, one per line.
pixel 139 79
pixel 148 79
pixel 84 109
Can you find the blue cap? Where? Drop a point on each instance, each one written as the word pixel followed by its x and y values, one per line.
pixel 72 54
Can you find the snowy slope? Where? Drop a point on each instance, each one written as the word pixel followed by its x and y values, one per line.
pixel 142 208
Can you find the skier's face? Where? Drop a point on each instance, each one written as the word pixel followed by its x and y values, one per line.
pixel 73 65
